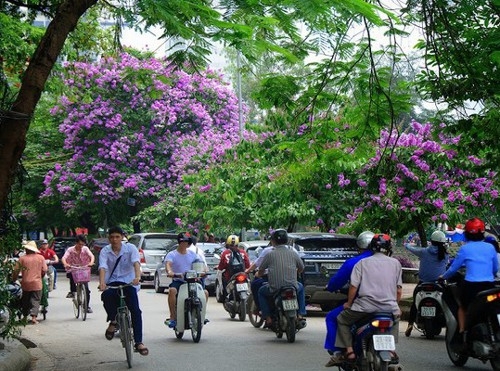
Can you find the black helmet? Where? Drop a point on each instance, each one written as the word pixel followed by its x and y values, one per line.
pixel 381 243
pixel 184 237
pixel 279 236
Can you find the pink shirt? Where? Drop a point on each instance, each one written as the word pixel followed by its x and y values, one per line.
pixel 32 267
pixel 83 258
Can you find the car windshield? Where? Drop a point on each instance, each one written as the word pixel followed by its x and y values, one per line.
pixel 157 243
pixel 327 244
pixel 211 248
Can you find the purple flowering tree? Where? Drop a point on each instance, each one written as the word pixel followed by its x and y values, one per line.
pixel 134 127
pixel 417 178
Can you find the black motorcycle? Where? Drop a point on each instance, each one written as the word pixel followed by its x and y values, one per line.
pixel 284 309
pixel 238 290
pixel 482 340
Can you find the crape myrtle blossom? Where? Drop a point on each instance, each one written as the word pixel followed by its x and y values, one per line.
pixel 136 126
pixel 413 173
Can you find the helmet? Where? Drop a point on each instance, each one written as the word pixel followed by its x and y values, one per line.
pixel 233 240
pixel 474 226
pixel 184 237
pixel 380 243
pixel 438 236
pixel 364 239
pixel 279 236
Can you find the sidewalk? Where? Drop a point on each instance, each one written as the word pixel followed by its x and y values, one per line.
pixel 14 356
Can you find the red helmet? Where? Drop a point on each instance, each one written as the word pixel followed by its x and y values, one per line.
pixel 474 226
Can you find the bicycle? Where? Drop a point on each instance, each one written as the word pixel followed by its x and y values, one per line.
pixel 124 324
pixel 81 276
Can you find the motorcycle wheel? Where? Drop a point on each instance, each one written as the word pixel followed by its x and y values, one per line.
pixel 255 319
pixel 218 292
pixel 456 358
pixel 291 330
pixel 196 324
pixel 243 310
pixel 429 330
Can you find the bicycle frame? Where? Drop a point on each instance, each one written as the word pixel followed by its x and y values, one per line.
pixel 124 324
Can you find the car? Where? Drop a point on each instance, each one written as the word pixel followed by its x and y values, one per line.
pixel 212 253
pixel 152 248
pixel 95 246
pixel 60 245
pixel 323 255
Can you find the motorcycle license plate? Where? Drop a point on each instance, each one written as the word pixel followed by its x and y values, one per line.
pixel 242 287
pixel 384 342
pixel 428 311
pixel 290 304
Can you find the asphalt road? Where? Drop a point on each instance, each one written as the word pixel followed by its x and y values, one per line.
pixel 66 343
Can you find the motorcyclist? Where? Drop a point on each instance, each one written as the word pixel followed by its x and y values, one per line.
pixel 178 261
pixel 433 262
pixel 337 282
pixel 51 258
pixel 257 282
pixel 375 286
pixel 481 266
pixel 232 260
pixel 282 266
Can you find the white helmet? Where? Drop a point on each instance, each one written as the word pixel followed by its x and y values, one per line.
pixel 364 239
pixel 438 236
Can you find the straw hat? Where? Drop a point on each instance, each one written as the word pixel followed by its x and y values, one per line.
pixel 31 245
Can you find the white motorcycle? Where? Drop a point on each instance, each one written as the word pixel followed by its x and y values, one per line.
pixel 191 305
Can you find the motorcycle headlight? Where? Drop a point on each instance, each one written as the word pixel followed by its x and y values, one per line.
pixel 191 274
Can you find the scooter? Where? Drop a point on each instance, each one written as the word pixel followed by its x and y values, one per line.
pixel 482 339
pixel 429 303
pixel 238 291
pixel 8 313
pixel 284 313
pixel 191 306
pixel 374 345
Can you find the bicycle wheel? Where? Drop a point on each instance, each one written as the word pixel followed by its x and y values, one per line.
pixel 196 324
pixel 126 334
pixel 84 302
pixel 76 304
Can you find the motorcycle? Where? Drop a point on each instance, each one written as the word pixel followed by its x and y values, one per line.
pixel 238 291
pixel 429 303
pixel 8 313
pixel 284 310
pixel 374 344
pixel 191 306
pixel 482 340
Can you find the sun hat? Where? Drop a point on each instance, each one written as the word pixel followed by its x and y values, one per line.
pixel 31 245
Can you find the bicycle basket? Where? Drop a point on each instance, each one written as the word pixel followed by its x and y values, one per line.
pixel 81 275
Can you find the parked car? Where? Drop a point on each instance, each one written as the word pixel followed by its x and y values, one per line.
pixel 323 255
pixel 60 245
pixel 152 248
pixel 95 246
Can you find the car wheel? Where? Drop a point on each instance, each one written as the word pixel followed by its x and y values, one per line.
pixel 158 288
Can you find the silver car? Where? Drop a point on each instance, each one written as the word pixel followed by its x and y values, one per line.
pixel 152 248
pixel 212 253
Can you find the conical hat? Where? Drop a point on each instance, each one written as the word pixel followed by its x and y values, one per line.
pixel 31 245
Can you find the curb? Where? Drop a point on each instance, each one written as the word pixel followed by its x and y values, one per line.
pixel 14 356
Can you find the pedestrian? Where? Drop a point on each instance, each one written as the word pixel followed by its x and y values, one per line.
pixel 33 267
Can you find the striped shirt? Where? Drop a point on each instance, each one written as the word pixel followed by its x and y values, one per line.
pixel 282 265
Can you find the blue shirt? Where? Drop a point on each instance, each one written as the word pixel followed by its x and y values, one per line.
pixel 125 271
pixel 479 259
pixel 341 278
pixel 430 266
pixel 181 263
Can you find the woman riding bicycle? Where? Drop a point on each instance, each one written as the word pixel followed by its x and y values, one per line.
pixel 119 264
pixel 81 256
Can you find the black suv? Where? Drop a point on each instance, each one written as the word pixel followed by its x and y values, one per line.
pixel 323 254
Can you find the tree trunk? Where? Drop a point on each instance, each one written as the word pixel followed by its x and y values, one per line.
pixel 15 124
pixel 421 232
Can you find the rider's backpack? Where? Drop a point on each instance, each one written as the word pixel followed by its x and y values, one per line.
pixel 236 263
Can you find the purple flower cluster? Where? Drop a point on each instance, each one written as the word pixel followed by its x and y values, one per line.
pixel 137 126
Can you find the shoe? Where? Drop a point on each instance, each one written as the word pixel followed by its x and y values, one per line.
pixel 143 351
pixel 301 323
pixel 409 329
pixel 206 321
pixel 110 331
pixel 89 310
pixel 171 323
pixel 335 360
pixel 70 295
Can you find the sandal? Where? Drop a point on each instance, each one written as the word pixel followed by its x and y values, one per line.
pixel 110 331
pixel 143 351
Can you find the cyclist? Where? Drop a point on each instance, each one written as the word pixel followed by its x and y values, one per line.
pixel 78 255
pixel 119 264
